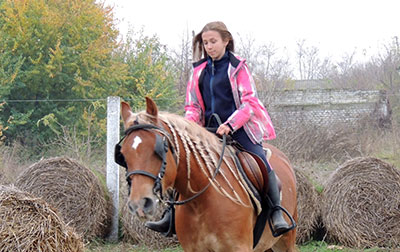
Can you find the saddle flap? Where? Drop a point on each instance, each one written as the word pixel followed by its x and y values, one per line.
pixel 264 171
pixel 258 169
pixel 252 170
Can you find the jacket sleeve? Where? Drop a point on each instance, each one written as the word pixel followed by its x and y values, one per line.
pixel 193 110
pixel 248 99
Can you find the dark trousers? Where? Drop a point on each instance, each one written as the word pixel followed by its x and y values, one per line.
pixel 241 137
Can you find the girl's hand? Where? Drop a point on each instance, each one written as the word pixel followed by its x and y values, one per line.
pixel 223 129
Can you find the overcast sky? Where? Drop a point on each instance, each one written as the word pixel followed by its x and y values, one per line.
pixel 335 27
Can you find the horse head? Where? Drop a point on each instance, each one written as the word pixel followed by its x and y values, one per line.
pixel 148 155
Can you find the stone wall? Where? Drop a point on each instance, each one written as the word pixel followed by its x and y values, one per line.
pixel 329 106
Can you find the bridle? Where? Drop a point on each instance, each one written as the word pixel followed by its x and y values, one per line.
pixel 161 149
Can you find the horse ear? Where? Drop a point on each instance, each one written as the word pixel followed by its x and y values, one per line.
pixel 127 114
pixel 151 107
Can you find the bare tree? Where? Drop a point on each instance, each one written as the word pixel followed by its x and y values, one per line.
pixel 182 60
pixel 300 57
pixel 380 72
pixel 265 61
pixel 248 50
pixel 273 66
pixel 389 64
pixel 310 65
pixel 347 63
pixel 270 68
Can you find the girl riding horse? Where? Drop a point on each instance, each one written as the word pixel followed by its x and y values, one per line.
pixel 221 84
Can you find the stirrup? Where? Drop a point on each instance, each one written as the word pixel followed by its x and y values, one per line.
pixel 171 225
pixel 171 230
pixel 275 233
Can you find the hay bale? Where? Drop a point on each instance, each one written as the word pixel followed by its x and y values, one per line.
pixel 74 190
pixel 28 223
pixel 361 204
pixel 308 207
pixel 135 232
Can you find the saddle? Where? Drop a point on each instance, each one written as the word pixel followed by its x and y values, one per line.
pixel 254 169
pixel 251 166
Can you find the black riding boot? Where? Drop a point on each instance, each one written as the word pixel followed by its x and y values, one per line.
pixel 279 224
pixel 166 225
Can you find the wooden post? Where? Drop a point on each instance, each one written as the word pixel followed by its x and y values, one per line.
pixel 113 121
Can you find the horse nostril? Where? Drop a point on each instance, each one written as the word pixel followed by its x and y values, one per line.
pixel 148 204
pixel 132 207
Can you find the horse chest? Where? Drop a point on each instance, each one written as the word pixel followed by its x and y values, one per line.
pixel 213 242
pixel 212 232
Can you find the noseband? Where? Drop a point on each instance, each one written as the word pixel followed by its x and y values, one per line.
pixel 160 149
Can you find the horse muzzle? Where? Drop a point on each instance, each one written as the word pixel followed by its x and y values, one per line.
pixel 143 208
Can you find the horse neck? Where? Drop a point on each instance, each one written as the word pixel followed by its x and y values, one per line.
pixel 196 170
pixel 189 158
pixel 196 163
pixel 189 178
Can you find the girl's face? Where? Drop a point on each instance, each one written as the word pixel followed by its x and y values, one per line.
pixel 213 44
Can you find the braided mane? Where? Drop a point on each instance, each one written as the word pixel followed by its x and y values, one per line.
pixel 206 148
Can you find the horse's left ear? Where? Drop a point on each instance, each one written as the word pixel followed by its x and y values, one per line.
pixel 127 115
pixel 151 107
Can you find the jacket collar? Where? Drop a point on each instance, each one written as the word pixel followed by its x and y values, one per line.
pixel 232 59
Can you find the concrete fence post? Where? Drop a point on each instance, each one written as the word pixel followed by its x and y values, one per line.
pixel 113 121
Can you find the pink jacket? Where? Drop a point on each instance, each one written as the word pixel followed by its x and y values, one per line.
pixel 250 114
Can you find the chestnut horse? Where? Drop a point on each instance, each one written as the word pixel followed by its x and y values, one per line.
pixel 216 213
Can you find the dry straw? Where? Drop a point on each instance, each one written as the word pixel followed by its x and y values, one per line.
pixel 361 204
pixel 74 190
pixel 312 142
pixel 308 207
pixel 30 224
pixel 136 233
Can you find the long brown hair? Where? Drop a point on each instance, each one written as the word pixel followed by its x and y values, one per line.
pixel 218 26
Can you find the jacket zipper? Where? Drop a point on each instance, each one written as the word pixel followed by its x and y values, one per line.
pixel 211 86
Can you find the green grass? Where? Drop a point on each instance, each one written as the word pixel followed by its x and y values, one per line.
pixel 313 246
pixel 320 246
pixel 123 247
pixel 389 156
